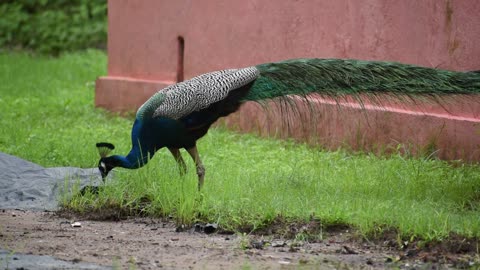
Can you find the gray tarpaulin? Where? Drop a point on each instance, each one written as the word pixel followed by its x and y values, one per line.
pixel 29 186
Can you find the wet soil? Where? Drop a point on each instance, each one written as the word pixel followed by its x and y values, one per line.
pixel 144 243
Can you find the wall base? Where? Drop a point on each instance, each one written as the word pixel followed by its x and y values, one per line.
pixel 123 94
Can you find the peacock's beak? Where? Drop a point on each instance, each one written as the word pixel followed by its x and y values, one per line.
pixel 104 174
pixel 104 170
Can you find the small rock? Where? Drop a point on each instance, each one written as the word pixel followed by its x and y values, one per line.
pixel 180 228
pixel 279 244
pixel 210 228
pixel 411 252
pixel 390 259
pixel 198 228
pixel 348 250
pixel 76 224
pixel 257 244
pixel 207 228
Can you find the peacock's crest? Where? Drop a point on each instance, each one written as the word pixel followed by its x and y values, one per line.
pixel 104 148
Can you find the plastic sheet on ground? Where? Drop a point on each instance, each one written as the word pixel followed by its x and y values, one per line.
pixel 29 186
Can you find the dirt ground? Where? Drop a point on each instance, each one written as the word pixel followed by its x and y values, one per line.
pixel 143 243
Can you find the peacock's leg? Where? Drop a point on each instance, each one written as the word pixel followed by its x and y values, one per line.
pixel 178 158
pixel 200 169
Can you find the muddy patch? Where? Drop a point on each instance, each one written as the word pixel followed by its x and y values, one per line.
pixel 145 243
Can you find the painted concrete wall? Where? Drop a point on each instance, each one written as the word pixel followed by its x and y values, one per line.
pixel 143 53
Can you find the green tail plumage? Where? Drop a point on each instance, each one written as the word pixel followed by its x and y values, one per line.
pixel 337 78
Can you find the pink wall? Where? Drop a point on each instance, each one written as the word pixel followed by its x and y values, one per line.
pixel 143 40
pixel 220 34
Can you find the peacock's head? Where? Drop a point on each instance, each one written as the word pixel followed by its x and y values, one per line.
pixel 105 164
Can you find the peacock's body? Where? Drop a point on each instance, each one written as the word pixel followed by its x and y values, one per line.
pixel 178 115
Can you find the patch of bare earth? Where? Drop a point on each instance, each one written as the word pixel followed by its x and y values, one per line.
pixel 145 243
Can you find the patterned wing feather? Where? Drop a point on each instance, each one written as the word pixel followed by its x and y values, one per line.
pixel 199 92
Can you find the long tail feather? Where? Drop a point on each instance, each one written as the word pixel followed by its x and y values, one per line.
pixel 337 78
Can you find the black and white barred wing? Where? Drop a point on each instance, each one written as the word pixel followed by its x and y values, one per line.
pixel 198 93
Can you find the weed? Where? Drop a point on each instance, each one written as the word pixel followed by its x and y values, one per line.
pixel 243 241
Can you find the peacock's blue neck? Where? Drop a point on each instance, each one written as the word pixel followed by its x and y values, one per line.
pixel 138 156
pixel 135 159
pixel 148 136
pixel 142 151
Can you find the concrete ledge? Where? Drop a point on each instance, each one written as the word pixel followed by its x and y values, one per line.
pixel 450 130
pixel 371 128
pixel 124 94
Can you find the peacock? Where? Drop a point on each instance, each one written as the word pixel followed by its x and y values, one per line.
pixel 180 114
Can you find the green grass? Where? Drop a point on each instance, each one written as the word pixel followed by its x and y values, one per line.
pixel 48 117
pixel 47 113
